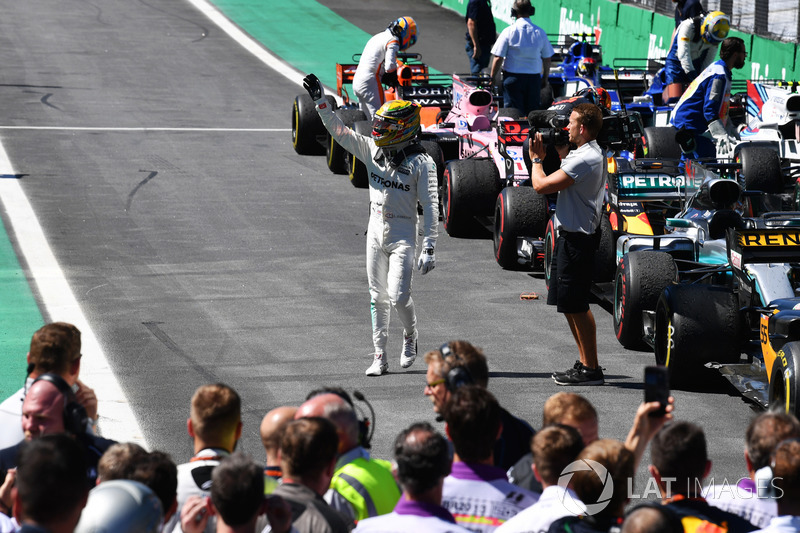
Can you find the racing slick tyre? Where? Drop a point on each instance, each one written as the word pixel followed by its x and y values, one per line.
pixel 761 168
pixel 471 187
pixel 697 324
pixel 783 385
pixel 356 169
pixel 605 257
pixel 519 211
pixel 658 142
pixel 640 279
pixel 433 149
pixel 306 126
pixel 550 236
pixel 510 112
pixel 336 155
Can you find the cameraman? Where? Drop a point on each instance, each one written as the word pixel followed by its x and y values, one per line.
pixel 580 183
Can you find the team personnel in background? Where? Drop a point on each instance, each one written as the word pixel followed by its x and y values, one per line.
pixel 422 460
pixel 56 348
pixel 580 183
pixel 680 463
pixel 686 9
pixel 785 463
pixel 401 175
pixel 763 434
pixel 694 48
pixel 554 447
pixel 51 407
pixel 478 493
pixel 458 363
pixel 361 486
pixel 481 34
pixel 523 51
pixel 704 105
pixel 378 63
pixel 215 426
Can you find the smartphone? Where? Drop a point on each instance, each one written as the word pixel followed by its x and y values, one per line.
pixel 656 387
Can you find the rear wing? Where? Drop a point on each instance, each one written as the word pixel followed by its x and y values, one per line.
pixel 655 180
pixel 765 244
pixel 428 94
pixel 409 70
pixel 563 46
pixel 655 184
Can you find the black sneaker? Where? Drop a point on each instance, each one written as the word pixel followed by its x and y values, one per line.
pixel 581 376
pixel 576 366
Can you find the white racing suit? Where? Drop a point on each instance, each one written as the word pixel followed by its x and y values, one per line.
pixel 392 230
pixel 379 56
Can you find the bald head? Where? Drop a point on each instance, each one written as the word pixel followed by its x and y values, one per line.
pixel 42 410
pixel 651 519
pixel 317 405
pixel 337 410
pixel 272 426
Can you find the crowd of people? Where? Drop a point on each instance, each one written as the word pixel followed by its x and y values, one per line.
pixel 484 470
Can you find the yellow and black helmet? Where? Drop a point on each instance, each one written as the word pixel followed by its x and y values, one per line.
pixel 715 27
pixel 396 121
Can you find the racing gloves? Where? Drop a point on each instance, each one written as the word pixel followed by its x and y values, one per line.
pixel 312 84
pixel 725 141
pixel 427 260
pixel 390 78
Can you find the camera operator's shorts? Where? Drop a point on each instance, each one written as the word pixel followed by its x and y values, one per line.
pixel 571 271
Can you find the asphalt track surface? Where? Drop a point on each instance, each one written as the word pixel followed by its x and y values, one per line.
pixel 205 251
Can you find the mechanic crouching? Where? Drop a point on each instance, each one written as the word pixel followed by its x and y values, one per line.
pixel 400 175
pixel 580 183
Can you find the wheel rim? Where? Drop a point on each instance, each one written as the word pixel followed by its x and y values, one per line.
pixel 618 290
pixel 548 255
pixel 668 362
pixel 330 150
pixel 351 166
pixel 660 344
pixel 446 198
pixel 777 391
pixel 498 226
pixel 295 120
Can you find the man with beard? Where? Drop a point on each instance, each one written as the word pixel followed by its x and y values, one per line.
pixel 704 105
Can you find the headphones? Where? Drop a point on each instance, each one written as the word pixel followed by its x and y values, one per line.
pixel 366 427
pixel 458 376
pixel 75 417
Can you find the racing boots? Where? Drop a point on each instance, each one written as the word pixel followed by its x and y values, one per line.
pixel 409 353
pixel 379 365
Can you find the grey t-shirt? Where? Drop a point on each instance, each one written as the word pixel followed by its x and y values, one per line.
pixel 580 205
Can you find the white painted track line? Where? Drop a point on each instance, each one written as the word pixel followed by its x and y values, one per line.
pixel 116 418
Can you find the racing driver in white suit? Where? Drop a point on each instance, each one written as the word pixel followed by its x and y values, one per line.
pixel 400 175
pixel 378 63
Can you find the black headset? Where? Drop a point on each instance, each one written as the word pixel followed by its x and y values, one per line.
pixel 458 376
pixel 75 417
pixel 366 427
